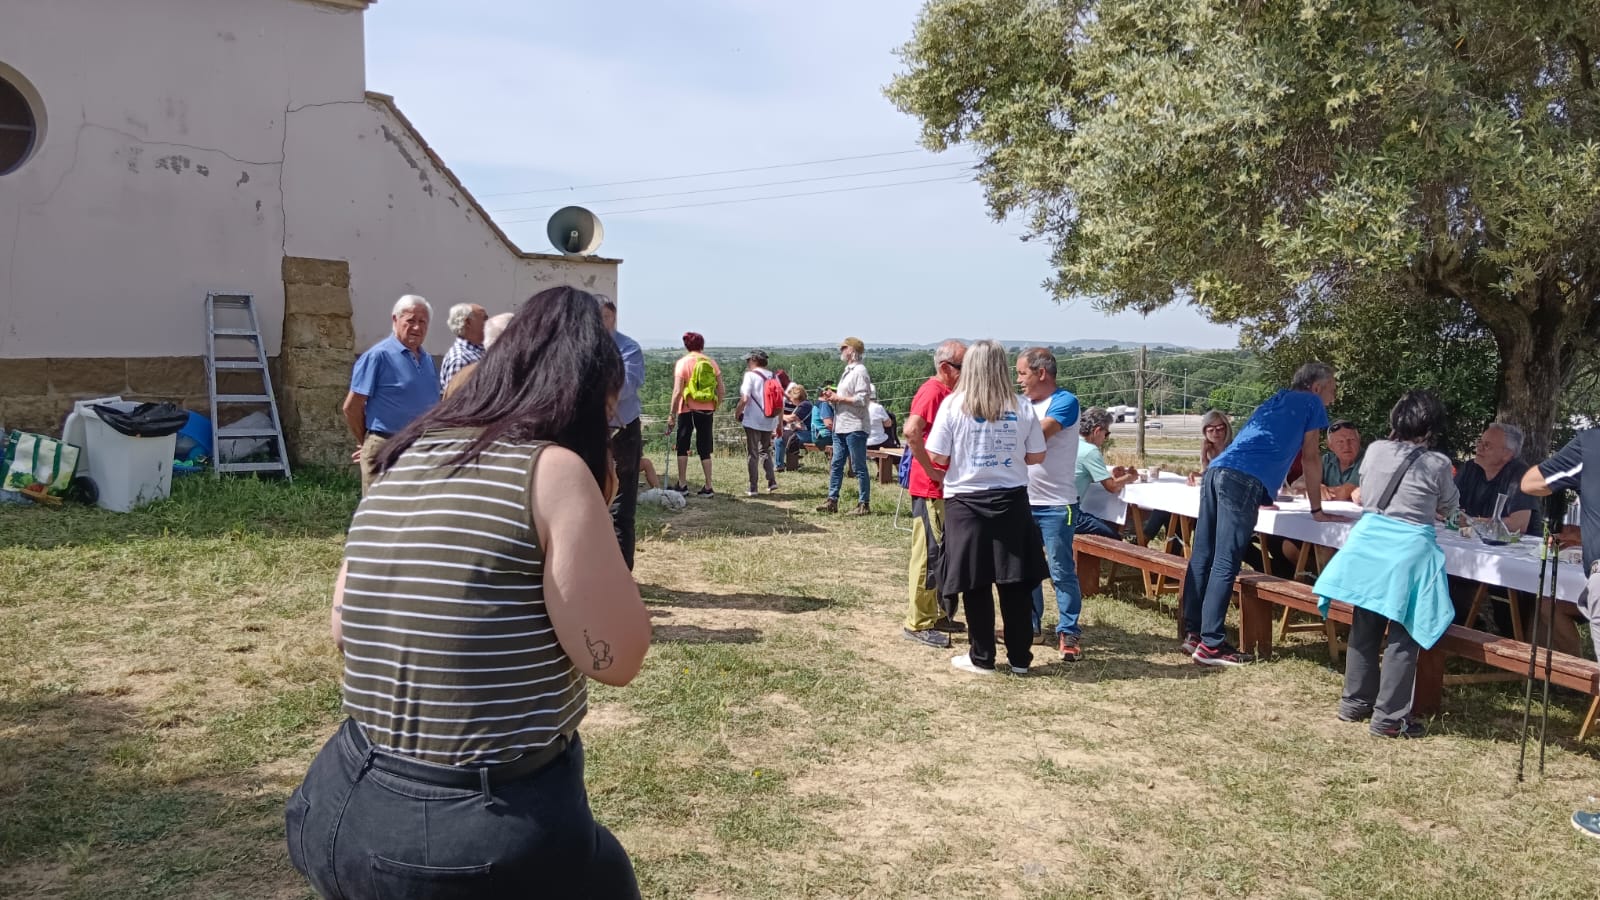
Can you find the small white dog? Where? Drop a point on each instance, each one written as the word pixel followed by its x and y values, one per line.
pixel 667 499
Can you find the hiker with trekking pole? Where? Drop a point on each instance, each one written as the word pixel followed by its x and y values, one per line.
pixel 1575 467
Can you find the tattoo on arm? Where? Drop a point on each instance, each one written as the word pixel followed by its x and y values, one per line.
pixel 600 650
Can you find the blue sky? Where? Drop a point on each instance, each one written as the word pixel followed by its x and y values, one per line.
pixel 525 97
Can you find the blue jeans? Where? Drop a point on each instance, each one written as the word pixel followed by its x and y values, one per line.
pixel 1230 501
pixel 1057 524
pixel 854 443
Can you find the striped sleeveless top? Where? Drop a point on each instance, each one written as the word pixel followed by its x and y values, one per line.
pixel 450 656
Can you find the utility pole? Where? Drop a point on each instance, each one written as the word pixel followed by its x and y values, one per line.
pixel 1138 390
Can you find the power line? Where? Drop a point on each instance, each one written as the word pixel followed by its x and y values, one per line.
pixel 740 187
pixel 793 165
pixel 864 187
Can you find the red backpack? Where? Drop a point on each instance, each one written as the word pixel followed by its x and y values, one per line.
pixel 771 397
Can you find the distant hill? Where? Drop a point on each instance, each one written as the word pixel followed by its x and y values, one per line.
pixel 1085 344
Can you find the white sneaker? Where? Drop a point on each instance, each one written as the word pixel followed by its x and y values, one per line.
pixel 964 663
pixel 750 494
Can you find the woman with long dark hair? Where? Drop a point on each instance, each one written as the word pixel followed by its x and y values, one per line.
pixel 481 587
pixel 987 436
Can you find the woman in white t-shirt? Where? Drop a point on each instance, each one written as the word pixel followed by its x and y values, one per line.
pixel 988 436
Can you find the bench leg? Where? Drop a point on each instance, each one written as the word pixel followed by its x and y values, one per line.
pixel 1429 693
pixel 1255 622
pixel 1088 572
pixel 1588 721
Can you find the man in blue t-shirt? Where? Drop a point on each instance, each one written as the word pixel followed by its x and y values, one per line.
pixel 392 384
pixel 1577 467
pixel 1241 480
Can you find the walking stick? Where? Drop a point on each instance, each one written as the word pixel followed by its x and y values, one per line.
pixel 1552 527
pixel 1533 659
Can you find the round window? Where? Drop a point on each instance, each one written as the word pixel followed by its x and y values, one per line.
pixel 19 129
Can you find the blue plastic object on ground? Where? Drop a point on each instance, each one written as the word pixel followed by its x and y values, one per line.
pixel 195 438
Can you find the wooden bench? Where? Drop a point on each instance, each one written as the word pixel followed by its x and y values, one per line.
pixel 1509 655
pixel 888 463
pixel 1258 593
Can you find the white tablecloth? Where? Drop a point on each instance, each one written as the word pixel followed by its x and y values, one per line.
pixel 1514 566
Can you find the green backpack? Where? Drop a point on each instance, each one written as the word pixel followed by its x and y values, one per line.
pixel 702 384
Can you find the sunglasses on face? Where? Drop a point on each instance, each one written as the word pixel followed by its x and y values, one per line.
pixel 1210 428
pixel 956 366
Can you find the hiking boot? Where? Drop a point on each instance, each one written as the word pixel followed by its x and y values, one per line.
pixel 949 626
pixel 1224 654
pixel 829 506
pixel 1191 641
pixel 1070 651
pixel 928 636
pixel 965 664
pixel 1038 637
pixel 861 509
pixel 1410 728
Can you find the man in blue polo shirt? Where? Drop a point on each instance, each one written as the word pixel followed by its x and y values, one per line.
pixel 627 436
pixel 392 384
pixel 1241 480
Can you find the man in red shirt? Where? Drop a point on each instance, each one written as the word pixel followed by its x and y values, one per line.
pixel 926 622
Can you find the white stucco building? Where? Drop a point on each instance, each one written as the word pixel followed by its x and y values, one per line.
pixel 154 150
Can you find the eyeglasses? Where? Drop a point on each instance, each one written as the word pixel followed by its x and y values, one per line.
pixel 956 366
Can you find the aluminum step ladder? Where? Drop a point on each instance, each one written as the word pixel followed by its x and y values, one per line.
pixel 231 323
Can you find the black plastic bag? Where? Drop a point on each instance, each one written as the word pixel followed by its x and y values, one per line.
pixel 145 420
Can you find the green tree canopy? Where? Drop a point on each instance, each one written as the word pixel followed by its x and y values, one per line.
pixel 1247 156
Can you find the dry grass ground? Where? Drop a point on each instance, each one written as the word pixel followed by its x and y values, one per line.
pixel 168 678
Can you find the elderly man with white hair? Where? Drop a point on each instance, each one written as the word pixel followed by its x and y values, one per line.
pixel 1494 469
pixel 392 383
pixel 466 322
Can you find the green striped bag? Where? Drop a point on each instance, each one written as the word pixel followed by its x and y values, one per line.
pixel 38 464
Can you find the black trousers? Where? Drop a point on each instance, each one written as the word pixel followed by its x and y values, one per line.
pixel 626 448
pixel 1016 613
pixel 357 830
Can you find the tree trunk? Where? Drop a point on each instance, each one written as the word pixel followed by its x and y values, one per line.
pixel 1535 355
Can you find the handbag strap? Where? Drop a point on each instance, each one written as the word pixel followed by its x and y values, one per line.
pixel 1400 474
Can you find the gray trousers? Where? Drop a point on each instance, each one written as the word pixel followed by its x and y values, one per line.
pixel 1589 608
pixel 758 453
pixel 1385 693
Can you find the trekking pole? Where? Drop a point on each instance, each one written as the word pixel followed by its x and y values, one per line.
pixel 1533 659
pixel 1549 639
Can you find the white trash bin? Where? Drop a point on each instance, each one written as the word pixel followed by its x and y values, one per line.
pixel 127 471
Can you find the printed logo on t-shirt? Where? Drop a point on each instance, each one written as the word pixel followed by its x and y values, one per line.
pixel 994 444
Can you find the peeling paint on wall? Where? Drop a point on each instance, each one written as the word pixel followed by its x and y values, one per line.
pixel 244 178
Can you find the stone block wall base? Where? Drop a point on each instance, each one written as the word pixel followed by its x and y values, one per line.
pixel 313 373
pixel 37 394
